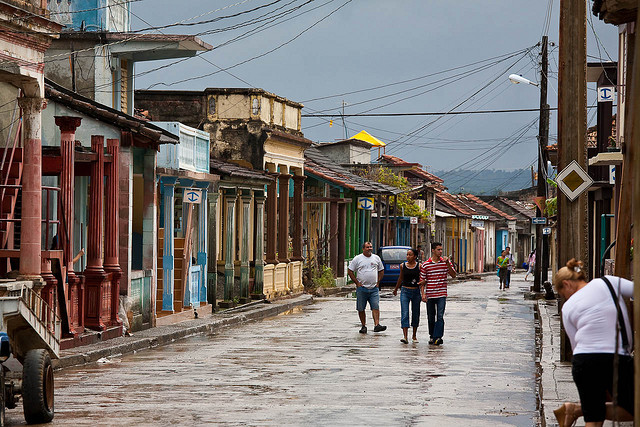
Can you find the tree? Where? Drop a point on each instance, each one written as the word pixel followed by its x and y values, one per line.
pixel 407 206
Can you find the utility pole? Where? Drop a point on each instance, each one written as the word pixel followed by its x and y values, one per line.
pixel 344 124
pixel 572 126
pixel 543 135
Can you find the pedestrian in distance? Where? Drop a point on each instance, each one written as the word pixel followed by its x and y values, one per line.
pixel 510 267
pixel 409 294
pixel 592 315
pixel 503 268
pixel 532 264
pixel 366 271
pixel 433 280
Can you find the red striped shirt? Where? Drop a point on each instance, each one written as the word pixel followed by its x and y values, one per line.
pixel 435 273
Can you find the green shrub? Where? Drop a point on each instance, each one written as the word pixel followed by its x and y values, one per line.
pixel 324 277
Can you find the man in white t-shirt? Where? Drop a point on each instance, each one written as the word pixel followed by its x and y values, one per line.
pixel 366 271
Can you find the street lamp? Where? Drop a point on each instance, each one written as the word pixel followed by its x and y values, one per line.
pixel 515 79
pixel 542 260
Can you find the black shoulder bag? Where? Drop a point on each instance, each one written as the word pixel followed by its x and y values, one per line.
pixel 623 327
pixel 621 365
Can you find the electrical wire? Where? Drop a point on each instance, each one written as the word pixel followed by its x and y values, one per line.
pixel 413 79
pixel 260 55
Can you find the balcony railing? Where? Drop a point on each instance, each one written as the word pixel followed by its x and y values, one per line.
pixel 191 154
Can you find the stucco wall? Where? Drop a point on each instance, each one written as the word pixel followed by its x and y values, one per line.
pixel 234 107
pixel 88 127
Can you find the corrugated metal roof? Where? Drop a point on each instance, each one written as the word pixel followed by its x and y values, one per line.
pixel 236 171
pixel 323 167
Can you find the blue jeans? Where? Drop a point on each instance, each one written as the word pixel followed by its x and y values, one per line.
pixel 365 294
pixel 410 296
pixel 435 316
pixel 508 278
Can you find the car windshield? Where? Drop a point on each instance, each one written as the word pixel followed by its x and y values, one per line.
pixel 393 254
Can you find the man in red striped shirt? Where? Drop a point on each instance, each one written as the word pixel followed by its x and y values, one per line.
pixel 433 282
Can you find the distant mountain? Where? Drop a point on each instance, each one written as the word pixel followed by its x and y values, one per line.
pixel 485 182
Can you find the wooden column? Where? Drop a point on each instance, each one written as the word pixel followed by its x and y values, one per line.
pixel 111 262
pixel 68 126
pixel 395 234
pixel 95 274
pixel 67 291
pixel 31 222
pixel 385 234
pixel 272 219
pixel 244 247
pixel 283 218
pixel 201 257
pixel 298 203
pixel 212 251
pixel 631 156
pixel 623 222
pixel 379 233
pixel 258 253
pixel 167 248
pixel 229 242
pixel 333 237
pixel 572 125
pixel 342 218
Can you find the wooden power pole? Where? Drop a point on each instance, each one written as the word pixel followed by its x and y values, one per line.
pixel 572 126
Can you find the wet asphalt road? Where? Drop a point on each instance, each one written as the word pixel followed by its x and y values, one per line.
pixel 312 367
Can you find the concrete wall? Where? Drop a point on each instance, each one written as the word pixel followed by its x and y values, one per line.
pixel 88 127
pixel 8 95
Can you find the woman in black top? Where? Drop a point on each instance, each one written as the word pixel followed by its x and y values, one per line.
pixel 410 293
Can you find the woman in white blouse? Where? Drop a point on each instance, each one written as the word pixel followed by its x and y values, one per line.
pixel 589 315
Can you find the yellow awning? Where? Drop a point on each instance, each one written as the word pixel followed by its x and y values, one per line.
pixel 364 136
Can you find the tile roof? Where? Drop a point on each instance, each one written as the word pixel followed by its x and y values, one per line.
pixel 492 208
pixel 525 208
pixel 452 202
pixel 478 206
pixel 323 167
pixel 236 171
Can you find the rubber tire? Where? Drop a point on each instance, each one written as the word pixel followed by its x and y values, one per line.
pixel 37 387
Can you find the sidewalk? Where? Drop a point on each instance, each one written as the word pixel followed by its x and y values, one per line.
pixel 556 383
pixel 160 335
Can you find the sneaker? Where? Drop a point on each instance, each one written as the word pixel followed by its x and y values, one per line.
pixel 437 341
pixel 363 330
pixel 430 341
pixel 403 341
pixel 379 328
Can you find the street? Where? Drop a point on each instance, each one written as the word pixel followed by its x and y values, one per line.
pixel 312 367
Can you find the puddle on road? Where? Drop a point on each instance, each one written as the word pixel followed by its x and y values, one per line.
pixel 295 310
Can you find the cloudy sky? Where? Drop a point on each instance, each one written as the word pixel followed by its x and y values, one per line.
pixel 384 56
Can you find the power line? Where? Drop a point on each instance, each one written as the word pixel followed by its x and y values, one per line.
pixel 262 54
pixel 438 113
pixel 413 79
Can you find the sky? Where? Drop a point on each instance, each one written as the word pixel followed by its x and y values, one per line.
pixel 428 56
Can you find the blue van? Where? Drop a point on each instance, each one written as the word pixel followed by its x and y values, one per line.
pixel 392 257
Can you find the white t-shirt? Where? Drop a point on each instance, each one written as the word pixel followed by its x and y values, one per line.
pixel 590 315
pixel 366 269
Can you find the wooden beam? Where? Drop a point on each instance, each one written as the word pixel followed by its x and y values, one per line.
pixel 623 229
pixel 632 144
pixel 572 125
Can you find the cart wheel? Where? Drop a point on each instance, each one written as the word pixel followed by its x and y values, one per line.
pixel 37 387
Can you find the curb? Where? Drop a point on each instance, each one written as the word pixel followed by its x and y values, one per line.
pixel 167 334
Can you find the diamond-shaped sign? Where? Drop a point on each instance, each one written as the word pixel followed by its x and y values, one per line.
pixel 573 180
